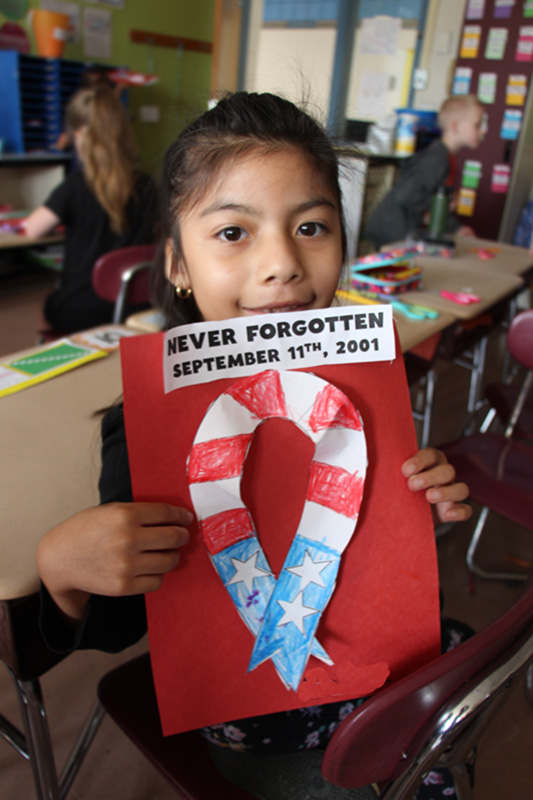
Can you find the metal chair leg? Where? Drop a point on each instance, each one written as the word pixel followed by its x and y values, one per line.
pixel 428 407
pixel 474 568
pixel 461 779
pixel 478 365
pixel 38 742
pixel 35 744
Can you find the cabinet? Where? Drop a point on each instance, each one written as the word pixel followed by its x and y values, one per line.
pixel 34 94
pixel 364 180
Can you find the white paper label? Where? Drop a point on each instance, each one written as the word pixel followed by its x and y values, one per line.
pixel 210 351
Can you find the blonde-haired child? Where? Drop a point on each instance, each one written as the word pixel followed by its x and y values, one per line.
pixel 404 209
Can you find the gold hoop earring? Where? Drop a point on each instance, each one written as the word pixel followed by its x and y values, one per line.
pixel 183 293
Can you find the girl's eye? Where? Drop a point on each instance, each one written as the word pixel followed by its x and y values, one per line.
pixel 312 229
pixel 232 234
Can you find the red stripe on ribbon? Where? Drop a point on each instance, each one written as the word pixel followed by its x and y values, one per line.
pixel 218 458
pixel 261 394
pixel 335 488
pixel 332 409
pixel 227 528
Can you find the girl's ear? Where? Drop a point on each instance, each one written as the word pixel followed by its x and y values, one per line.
pixel 175 269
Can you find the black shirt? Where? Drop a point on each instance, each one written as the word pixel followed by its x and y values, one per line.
pixel 88 235
pixel 402 210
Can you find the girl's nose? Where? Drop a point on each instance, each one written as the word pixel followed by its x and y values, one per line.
pixel 279 260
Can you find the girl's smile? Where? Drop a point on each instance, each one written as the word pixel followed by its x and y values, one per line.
pixel 267 238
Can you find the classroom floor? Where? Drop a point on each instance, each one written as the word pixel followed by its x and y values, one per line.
pixel 114 768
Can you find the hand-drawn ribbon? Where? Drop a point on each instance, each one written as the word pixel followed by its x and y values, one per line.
pixel 282 614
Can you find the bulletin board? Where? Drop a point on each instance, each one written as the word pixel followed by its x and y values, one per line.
pixel 495 59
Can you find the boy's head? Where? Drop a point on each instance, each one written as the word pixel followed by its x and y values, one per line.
pixel 461 122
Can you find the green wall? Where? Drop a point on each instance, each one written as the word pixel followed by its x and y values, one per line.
pixel 184 76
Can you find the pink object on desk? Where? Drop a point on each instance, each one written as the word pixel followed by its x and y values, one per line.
pixel 486 254
pixel 463 298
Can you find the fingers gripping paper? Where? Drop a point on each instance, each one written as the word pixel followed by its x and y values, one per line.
pixel 309 576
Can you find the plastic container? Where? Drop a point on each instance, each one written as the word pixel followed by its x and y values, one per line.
pixel 51 30
pixel 406 127
pixel 388 273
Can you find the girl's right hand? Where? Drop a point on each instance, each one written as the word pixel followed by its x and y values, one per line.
pixel 114 550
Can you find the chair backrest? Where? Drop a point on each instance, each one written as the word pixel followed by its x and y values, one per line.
pixel 384 739
pixel 123 277
pixel 520 338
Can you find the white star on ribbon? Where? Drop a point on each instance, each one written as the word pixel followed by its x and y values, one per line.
pixel 295 611
pixel 246 571
pixel 309 571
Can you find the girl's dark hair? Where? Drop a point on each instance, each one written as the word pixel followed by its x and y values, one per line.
pixel 239 124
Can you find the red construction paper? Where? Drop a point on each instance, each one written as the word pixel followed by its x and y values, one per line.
pixel 384 613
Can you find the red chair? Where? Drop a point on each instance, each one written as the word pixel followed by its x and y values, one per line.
pixel 497 467
pixel 434 716
pixel 123 277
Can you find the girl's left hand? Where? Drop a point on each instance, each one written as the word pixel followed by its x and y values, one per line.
pixel 429 471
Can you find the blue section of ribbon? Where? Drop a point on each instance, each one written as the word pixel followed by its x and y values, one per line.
pixel 252 601
pixel 289 640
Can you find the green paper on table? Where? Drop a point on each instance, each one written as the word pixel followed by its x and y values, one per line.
pixel 27 370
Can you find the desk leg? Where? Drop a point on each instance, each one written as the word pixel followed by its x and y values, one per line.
pixel 478 366
pixel 36 744
pixel 39 745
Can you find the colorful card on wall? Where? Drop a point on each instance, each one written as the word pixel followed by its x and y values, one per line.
pixel 475 9
pixel 528 8
pixel 516 90
pixel 466 201
pixel 503 8
pixel 524 46
pixel 511 123
pixel 471 174
pixel 496 43
pixel 486 87
pixel 501 175
pixel 461 80
pixel 470 41
pixel 311 570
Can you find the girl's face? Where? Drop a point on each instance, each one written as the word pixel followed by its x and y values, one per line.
pixel 266 238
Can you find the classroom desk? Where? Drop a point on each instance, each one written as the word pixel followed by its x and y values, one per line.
pixel 49 467
pixel 508 258
pixel 49 461
pixel 14 241
pixel 149 321
pixel 490 286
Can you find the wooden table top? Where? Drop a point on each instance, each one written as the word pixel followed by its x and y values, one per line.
pixel 507 258
pixel 440 273
pixel 49 462
pixel 16 240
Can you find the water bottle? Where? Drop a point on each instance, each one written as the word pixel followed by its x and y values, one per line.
pixel 438 213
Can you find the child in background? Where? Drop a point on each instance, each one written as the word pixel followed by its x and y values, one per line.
pixel 92 78
pixel 403 210
pixel 253 225
pixel 106 205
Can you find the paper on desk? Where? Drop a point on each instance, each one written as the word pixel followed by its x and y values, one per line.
pixel 61 356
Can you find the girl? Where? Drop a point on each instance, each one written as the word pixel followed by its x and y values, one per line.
pixel 253 225
pixel 106 205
